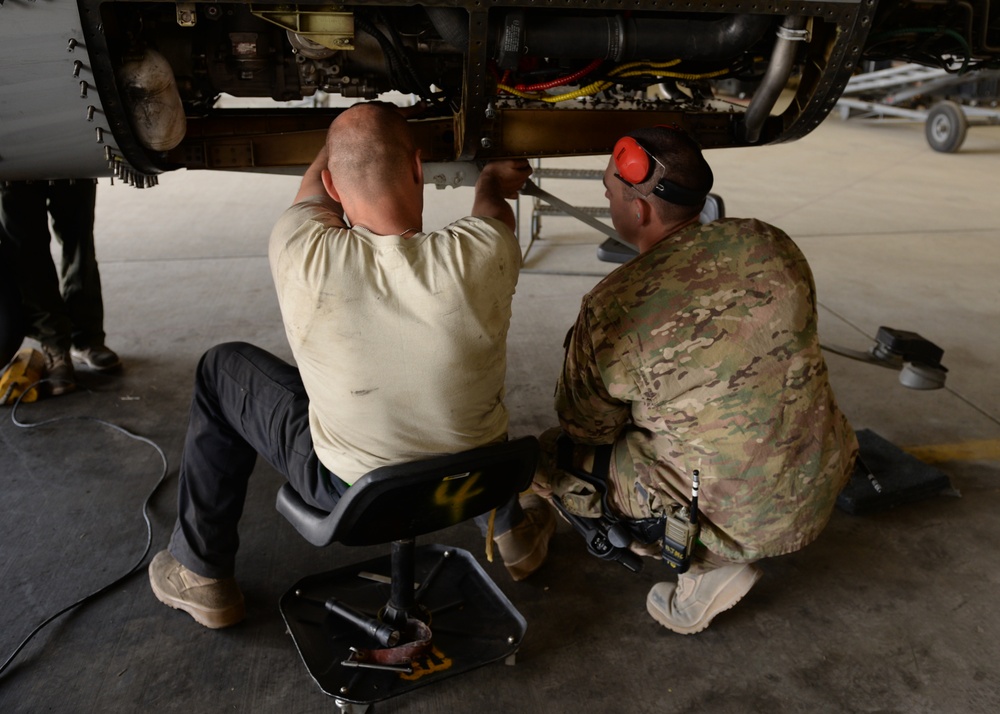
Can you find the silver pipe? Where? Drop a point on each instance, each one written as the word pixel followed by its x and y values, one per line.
pixel 791 31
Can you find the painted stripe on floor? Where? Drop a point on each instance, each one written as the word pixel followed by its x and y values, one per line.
pixel 985 450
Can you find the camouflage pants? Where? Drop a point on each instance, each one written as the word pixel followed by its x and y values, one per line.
pixel 627 498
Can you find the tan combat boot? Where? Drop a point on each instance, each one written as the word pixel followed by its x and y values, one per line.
pixel 689 606
pixel 211 602
pixel 525 546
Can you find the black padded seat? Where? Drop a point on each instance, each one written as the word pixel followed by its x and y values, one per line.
pixel 377 629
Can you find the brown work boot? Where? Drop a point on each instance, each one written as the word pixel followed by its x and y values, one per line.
pixel 689 606
pixel 211 602
pixel 525 546
pixel 98 357
pixel 58 370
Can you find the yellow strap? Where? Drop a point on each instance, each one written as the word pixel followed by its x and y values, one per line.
pixel 489 535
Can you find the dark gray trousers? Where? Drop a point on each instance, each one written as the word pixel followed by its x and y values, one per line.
pixel 248 402
pixel 63 308
pixel 11 312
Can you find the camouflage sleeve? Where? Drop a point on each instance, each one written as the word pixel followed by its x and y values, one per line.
pixel 587 411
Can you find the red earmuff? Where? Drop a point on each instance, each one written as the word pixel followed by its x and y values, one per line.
pixel 635 165
pixel 631 160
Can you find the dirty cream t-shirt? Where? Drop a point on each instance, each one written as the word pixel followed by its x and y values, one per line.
pixel 401 342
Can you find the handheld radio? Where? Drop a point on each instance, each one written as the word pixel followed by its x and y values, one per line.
pixel 680 530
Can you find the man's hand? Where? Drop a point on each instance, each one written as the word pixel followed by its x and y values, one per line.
pixel 508 174
pixel 499 181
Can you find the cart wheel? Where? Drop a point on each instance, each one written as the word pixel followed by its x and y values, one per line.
pixel 946 127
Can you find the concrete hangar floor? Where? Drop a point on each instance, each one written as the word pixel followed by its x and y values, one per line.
pixel 889 612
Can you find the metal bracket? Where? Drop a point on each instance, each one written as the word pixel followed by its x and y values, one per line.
pixel 785 33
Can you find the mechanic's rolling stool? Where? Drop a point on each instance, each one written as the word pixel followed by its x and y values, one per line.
pixel 365 637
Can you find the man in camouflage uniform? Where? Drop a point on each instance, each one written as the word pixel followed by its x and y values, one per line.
pixel 699 353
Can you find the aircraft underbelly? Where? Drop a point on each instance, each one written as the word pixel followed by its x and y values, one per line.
pixel 47 128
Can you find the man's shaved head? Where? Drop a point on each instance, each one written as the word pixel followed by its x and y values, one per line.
pixel 369 144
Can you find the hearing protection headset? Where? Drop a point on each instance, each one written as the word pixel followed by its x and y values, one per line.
pixel 635 165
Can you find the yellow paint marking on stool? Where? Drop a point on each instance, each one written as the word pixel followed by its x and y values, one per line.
pixel 982 450
pixel 434 661
pixel 444 496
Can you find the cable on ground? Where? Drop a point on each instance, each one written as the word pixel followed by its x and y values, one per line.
pixel 145 514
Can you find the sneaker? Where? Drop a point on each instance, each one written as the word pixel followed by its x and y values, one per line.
pixel 58 370
pixel 689 606
pixel 97 357
pixel 525 546
pixel 211 602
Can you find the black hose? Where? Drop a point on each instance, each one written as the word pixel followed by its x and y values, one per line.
pixel 398 78
pixel 423 87
pixel 622 39
pixel 613 37
pixel 452 24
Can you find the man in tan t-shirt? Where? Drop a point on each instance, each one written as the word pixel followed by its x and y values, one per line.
pixel 399 337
